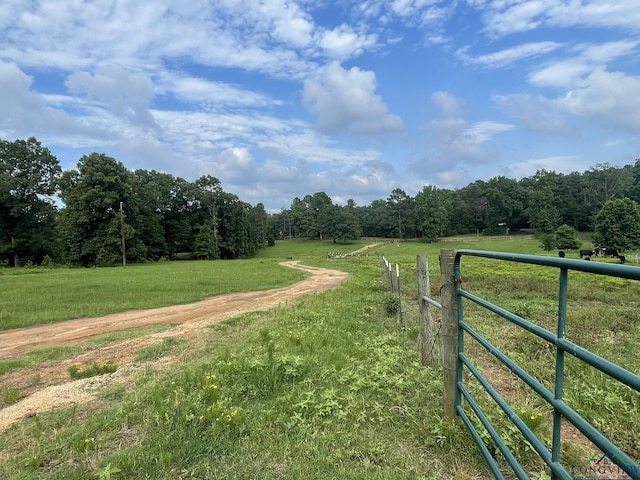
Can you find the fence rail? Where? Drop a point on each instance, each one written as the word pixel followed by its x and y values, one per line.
pixel 454 356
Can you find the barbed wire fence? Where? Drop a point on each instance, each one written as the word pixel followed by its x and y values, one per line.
pixel 391 277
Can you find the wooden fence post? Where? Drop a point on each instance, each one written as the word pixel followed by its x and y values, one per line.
pixel 400 298
pixel 426 339
pixel 449 331
pixel 388 276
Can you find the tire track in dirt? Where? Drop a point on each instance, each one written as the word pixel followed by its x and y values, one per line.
pixel 54 390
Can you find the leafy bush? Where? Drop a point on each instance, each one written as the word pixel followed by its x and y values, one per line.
pixel 547 241
pixel 390 304
pixel 47 262
pixel 567 238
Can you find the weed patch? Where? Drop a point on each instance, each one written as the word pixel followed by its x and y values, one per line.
pixel 96 368
pixel 390 304
pixel 10 395
pixel 159 349
pixel 11 364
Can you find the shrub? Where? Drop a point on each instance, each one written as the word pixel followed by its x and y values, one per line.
pixel 47 262
pixel 567 238
pixel 547 241
pixel 391 304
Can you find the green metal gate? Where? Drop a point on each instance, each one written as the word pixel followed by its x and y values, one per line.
pixel 554 398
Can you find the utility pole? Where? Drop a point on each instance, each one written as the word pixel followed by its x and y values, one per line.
pixel 124 254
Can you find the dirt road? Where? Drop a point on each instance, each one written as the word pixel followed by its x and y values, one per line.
pixel 47 387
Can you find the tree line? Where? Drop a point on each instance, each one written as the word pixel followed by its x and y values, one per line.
pixel 604 199
pixel 157 215
pixel 162 215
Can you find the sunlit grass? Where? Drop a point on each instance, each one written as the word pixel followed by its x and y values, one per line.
pixel 39 356
pixel 602 317
pixel 331 386
pixel 47 295
pixel 327 388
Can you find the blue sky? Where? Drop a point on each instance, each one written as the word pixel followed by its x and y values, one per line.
pixel 280 99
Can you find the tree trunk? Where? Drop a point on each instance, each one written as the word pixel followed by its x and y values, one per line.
pixel 16 258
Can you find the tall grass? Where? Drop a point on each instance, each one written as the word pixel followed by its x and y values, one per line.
pixel 602 317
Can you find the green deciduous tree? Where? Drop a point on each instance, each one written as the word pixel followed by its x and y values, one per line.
pixel 322 214
pixel 89 222
pixel 547 241
pixel 542 203
pixel 280 224
pixel 298 220
pixel 542 212
pixel 432 217
pixel 574 204
pixel 259 222
pixel 505 205
pixel 475 208
pixel 372 218
pixel 617 225
pixel 272 229
pixel 209 202
pixel 567 238
pixel 236 225
pixel 174 203
pixel 157 214
pixel 605 182
pixel 29 175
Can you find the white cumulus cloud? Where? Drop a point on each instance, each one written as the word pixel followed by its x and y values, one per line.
pixel 453 142
pixel 346 100
pixel 128 94
pixel 612 98
pixel 344 42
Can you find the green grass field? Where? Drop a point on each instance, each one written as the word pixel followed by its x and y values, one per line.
pixel 330 387
pixel 39 295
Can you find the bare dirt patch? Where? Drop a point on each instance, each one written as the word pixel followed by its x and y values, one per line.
pixel 48 387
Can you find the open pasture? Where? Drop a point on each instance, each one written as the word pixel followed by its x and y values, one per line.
pixel 39 295
pixel 602 316
pixel 331 386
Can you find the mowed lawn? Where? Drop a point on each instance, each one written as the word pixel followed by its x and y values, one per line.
pixel 38 295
